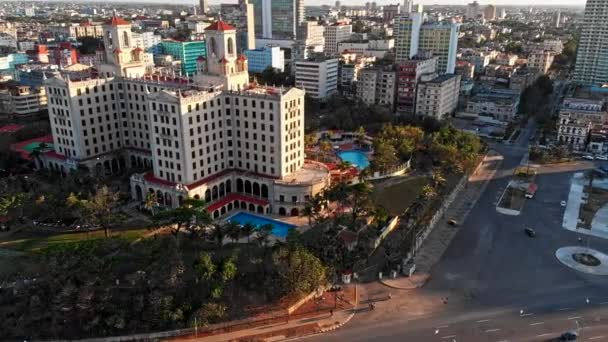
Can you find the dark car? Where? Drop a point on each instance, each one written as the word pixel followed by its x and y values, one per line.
pixel 569 336
pixel 530 232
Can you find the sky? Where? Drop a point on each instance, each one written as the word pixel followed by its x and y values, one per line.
pixel 579 3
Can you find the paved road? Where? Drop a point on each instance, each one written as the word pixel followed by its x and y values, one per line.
pixel 492 271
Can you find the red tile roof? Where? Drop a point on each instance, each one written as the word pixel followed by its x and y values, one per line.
pixel 235 197
pixel 223 60
pixel 115 21
pixel 242 57
pixel 138 49
pixel 220 26
pixel 201 58
pixel 10 128
pixel 117 50
pixel 149 177
pixel 55 155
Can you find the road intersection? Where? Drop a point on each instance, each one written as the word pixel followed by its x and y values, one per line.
pixel 501 284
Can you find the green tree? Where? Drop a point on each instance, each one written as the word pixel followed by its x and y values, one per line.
pixel 191 215
pixel 385 155
pixel 101 209
pixel 299 271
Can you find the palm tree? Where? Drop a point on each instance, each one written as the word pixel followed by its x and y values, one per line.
pixel 150 202
pixel 217 234
pixel 263 234
pixel 38 151
pixel 437 179
pixel 233 230
pixel 325 148
pixel 248 229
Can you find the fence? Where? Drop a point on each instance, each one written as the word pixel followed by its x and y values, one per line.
pixel 392 172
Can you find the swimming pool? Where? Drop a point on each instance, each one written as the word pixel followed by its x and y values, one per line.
pixel 279 228
pixel 357 158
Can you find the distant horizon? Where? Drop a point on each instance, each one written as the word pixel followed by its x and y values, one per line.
pixel 506 3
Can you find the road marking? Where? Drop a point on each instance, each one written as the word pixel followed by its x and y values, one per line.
pixel 483 320
pixel 537 323
pixel 526 314
pixel 545 334
pixel 602 303
pixel 563 309
pixel 575 317
pixel 492 330
pixel 450 336
pixel 442 326
pixel 596 337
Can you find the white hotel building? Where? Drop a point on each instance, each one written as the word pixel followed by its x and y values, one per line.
pixel 215 136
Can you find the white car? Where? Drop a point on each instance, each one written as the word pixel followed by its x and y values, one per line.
pixel 563 203
pixel 601 157
pixel 588 157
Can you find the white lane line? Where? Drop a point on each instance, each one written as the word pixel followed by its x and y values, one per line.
pixel 545 334
pixel 492 330
pixel 537 323
pixel 483 320
pixel 596 337
pixel 575 317
pixel 526 314
pixel 563 309
pixel 442 326
pixel 450 336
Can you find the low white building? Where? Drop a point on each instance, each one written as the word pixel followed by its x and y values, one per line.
pixel 500 106
pixel 541 60
pixel 319 77
pixel 18 101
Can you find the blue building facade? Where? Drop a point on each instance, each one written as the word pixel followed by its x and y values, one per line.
pixel 260 59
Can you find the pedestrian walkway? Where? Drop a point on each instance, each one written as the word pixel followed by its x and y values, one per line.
pixel 278 331
pixel 439 239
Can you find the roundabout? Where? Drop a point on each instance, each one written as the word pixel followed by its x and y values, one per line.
pixel 583 259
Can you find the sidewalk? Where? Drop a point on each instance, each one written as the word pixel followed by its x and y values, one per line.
pixel 279 331
pixel 322 314
pixel 439 239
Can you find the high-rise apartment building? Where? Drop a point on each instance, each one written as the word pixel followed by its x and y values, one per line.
pixel 312 35
pixel 204 4
pixel 390 12
pixel 241 149
pixel 489 12
pixel 377 86
pixel 335 34
pixel 592 54
pixel 278 19
pixel 438 97
pixel 472 10
pixel 407 6
pixel 409 74
pixel 242 18
pixel 439 39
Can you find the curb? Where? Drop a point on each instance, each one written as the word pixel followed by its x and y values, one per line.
pixel 406 288
pixel 338 325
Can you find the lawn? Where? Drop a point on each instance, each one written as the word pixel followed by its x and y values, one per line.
pixel 596 198
pixel 36 243
pixel 398 196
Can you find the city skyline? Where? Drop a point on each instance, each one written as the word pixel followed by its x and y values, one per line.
pixel 512 3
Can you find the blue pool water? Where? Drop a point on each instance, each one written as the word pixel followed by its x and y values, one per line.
pixel 279 229
pixel 357 158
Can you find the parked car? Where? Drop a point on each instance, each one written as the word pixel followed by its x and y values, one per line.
pixel 453 222
pixel 569 336
pixel 588 157
pixel 562 203
pixel 601 157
